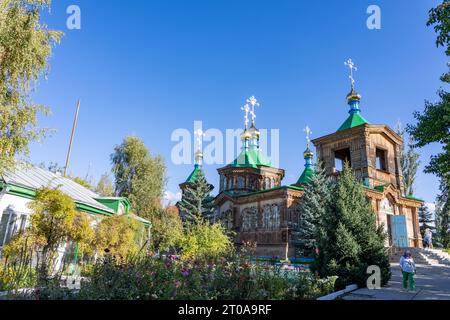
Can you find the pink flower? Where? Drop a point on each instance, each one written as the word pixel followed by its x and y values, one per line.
pixel 177 284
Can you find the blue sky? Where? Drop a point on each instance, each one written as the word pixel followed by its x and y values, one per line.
pixel 150 67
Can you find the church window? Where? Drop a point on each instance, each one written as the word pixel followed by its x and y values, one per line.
pixel 241 182
pixel 381 160
pixel 266 217
pixel 249 219
pixel 275 217
pixel 340 158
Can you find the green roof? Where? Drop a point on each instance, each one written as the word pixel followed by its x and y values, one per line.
pixel 306 176
pixel 251 158
pixel 354 120
pixel 193 176
pixel 414 198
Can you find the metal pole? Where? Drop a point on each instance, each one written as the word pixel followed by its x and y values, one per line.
pixel 71 138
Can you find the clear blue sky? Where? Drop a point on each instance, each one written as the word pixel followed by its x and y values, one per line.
pixel 149 67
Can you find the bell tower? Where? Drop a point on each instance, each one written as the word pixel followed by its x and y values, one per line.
pixel 372 151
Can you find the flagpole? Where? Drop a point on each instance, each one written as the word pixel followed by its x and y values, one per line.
pixel 71 137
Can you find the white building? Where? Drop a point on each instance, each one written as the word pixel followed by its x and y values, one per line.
pixel 18 189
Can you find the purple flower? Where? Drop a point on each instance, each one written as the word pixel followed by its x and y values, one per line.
pixel 185 272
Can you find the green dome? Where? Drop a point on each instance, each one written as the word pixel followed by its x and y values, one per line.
pixel 306 176
pixel 194 175
pixel 354 120
pixel 251 158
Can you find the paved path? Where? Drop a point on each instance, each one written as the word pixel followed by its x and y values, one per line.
pixel 432 283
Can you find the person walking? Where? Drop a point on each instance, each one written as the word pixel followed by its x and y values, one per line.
pixel 408 268
pixel 428 239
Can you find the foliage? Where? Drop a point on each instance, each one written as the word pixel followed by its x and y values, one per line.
pixel 425 219
pixel 118 236
pixel 310 210
pixel 167 278
pixel 196 201
pixel 409 162
pixel 104 186
pixel 443 217
pixel 138 176
pixel 433 124
pixel 202 240
pixel 166 229
pixel 81 182
pixel 13 278
pixel 350 241
pixel 26 44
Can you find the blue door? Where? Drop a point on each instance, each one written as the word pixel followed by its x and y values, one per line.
pixel 399 233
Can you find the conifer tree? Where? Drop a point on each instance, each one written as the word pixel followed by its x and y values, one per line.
pixel 425 219
pixel 350 242
pixel 196 201
pixel 310 210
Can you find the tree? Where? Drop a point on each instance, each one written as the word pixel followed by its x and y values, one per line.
pixel 54 222
pixel 350 242
pixel 105 187
pixel 310 210
pixel 167 228
pixel 25 47
pixel 81 182
pixel 202 240
pixel 196 201
pixel 433 123
pixel 409 161
pixel 138 176
pixel 119 236
pixel 443 217
pixel 425 219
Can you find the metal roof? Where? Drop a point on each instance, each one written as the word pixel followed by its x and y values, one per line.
pixel 32 177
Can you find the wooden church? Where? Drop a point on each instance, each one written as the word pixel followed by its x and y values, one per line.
pixel 254 204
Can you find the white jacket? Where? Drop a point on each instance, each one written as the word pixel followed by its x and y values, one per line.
pixel 407 264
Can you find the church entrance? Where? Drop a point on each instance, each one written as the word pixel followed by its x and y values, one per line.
pixel 395 225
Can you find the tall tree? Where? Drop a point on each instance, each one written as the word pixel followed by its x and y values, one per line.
pixel 309 212
pixel 350 242
pixel 196 202
pixel 104 186
pixel 434 122
pixel 426 220
pixel 409 161
pixel 443 217
pixel 138 175
pixel 25 47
